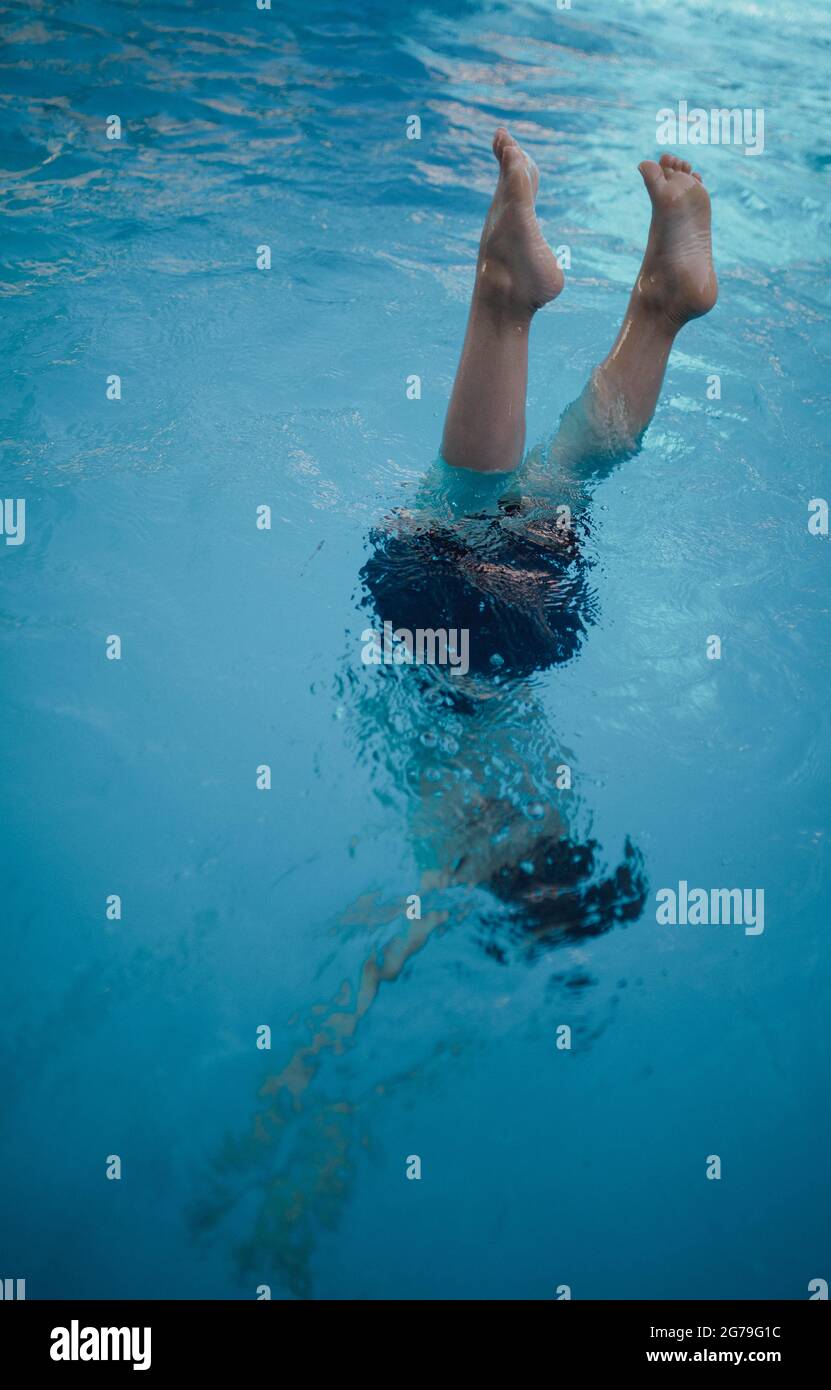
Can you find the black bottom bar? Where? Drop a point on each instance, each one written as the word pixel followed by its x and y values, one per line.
pixel 221 1337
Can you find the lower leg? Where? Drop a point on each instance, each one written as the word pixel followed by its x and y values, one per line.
pixel 516 274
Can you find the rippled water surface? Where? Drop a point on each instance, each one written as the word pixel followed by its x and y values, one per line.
pixel 244 388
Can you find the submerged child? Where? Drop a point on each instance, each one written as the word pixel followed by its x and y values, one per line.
pixel 495 549
pixel 475 757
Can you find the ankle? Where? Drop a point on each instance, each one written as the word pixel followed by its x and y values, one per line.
pixel 497 297
pixel 651 308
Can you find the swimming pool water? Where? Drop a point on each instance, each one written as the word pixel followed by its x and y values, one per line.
pixel 286 388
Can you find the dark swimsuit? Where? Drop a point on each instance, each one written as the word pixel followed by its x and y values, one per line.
pixel 518 588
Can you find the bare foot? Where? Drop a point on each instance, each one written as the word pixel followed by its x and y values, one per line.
pixel 677 277
pixel 517 269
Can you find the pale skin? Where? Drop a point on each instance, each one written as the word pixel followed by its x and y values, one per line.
pixel 517 273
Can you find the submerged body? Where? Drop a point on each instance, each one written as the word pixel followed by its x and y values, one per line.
pixel 499 546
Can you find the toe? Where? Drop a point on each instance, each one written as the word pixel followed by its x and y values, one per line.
pixel 499 141
pixel 686 166
pixel 503 142
pixel 533 174
pixel 512 156
pixel 696 175
pixel 652 174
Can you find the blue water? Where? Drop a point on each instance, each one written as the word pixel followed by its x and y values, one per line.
pixel 286 388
